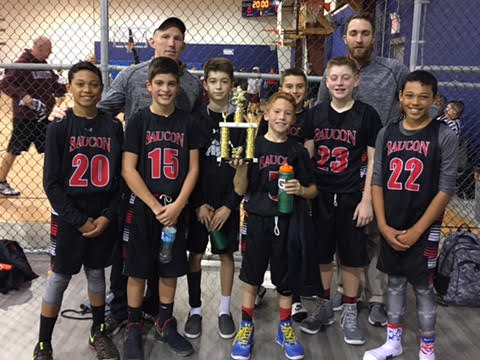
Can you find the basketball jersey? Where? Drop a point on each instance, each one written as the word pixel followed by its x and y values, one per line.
pixel 163 147
pixel 87 152
pixel 215 182
pixel 263 176
pixel 340 145
pixel 411 166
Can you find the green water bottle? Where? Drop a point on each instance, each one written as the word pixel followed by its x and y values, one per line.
pixel 219 239
pixel 285 201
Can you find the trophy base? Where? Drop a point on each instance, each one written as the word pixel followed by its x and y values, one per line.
pixel 228 159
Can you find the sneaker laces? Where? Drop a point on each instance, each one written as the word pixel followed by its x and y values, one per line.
pixel 288 334
pixel 103 344
pixel 319 309
pixel 350 319
pixel 243 335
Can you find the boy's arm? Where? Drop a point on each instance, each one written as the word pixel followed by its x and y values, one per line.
pixel 434 211
pixel 53 182
pixel 293 187
pixel 364 210
pixel 136 184
pixel 390 234
pixel 170 212
pixel 240 180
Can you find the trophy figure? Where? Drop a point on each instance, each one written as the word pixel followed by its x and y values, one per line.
pixel 226 154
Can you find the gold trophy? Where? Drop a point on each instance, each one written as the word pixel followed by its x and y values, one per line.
pixel 225 145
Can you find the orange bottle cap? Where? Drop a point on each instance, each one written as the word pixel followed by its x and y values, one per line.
pixel 211 213
pixel 285 168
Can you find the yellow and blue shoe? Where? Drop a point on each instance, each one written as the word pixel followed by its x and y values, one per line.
pixel 288 340
pixel 243 342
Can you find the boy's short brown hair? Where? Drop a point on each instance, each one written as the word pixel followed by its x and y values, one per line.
pixel 163 65
pixel 218 64
pixel 341 61
pixel 281 95
pixel 292 72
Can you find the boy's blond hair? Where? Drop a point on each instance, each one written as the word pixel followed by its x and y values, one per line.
pixel 343 61
pixel 280 95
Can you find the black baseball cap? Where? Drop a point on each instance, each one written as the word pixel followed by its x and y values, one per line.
pixel 172 21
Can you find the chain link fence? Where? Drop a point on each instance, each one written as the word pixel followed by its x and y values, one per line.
pixel 273 35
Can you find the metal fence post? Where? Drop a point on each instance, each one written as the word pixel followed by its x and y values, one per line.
pixel 104 43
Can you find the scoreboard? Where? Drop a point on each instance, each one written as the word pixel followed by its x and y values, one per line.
pixel 255 8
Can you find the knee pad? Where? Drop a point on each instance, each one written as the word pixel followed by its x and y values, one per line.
pixel 426 308
pixel 284 292
pixel 397 299
pixel 56 286
pixel 96 281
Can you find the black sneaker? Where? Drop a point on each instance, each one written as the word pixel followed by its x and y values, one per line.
pixel 193 326
pixel 169 334
pixel 226 326
pixel 43 351
pixel 7 190
pixel 132 343
pixel 113 325
pixel 103 345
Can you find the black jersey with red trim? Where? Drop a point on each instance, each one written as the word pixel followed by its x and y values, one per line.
pixel 82 160
pixel 411 168
pixel 163 147
pixel 263 176
pixel 215 182
pixel 340 145
pixel 295 131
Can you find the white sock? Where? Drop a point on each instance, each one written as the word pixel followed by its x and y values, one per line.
pixel 196 311
pixel 427 348
pixel 391 348
pixel 224 305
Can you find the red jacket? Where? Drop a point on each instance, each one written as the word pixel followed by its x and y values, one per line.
pixel 39 84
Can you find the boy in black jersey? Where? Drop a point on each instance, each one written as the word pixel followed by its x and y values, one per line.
pixel 81 176
pixel 341 137
pixel 413 181
pixel 268 229
pixel 292 81
pixel 160 166
pixel 215 202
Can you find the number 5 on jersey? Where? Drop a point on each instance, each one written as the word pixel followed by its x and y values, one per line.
pixel 164 160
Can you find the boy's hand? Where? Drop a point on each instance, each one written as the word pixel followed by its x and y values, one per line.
pixel 238 164
pixel 363 213
pixel 87 227
pixel 221 215
pixel 101 223
pixel 390 234
pixel 409 237
pixel 293 187
pixel 58 112
pixel 169 214
pixel 203 214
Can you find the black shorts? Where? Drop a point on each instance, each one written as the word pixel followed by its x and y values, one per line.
pixel 25 132
pixel 262 247
pixel 69 250
pixel 198 235
pixel 336 231
pixel 142 232
pixel 418 263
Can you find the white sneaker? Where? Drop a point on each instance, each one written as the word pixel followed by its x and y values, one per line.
pixel 384 352
pixel 7 190
pixel 299 313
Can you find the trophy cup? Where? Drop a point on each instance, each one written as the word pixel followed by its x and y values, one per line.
pixel 236 152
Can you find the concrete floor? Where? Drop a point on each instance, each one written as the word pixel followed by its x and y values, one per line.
pixel 457 328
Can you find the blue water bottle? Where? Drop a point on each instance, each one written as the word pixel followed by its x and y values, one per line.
pixel 168 237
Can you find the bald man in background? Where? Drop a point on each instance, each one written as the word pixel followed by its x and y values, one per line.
pixel 33 94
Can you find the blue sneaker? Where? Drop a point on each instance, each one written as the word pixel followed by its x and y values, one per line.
pixel 243 342
pixel 288 340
